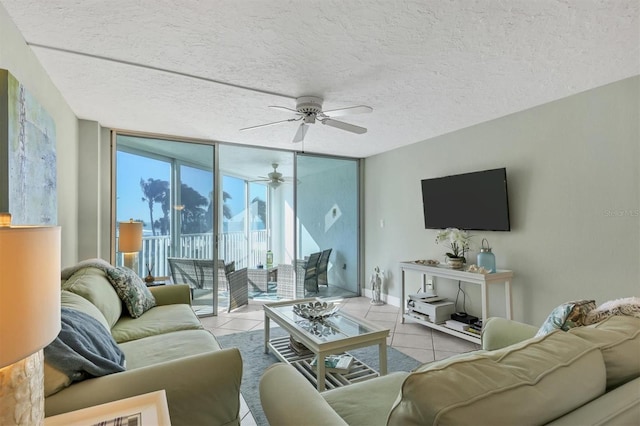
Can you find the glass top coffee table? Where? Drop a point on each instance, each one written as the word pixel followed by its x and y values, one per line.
pixel 333 335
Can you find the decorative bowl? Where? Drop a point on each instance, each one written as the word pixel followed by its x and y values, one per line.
pixel 315 310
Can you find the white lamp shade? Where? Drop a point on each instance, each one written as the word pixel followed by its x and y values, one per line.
pixel 29 290
pixel 130 237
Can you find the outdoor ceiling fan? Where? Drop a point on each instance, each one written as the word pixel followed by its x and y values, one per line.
pixel 309 109
pixel 274 178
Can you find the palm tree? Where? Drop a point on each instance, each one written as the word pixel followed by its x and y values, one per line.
pixel 155 191
pixel 166 210
pixel 193 213
pixel 226 210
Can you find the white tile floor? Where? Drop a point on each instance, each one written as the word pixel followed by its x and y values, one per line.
pixel 415 340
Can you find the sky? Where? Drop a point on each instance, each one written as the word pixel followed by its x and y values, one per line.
pixel 131 168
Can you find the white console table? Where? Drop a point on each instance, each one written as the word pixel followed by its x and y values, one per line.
pixel 501 276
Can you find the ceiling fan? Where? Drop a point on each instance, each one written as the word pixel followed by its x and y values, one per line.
pixel 274 178
pixel 309 109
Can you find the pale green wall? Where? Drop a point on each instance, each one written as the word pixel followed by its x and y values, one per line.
pixel 19 59
pixel 94 189
pixel 569 163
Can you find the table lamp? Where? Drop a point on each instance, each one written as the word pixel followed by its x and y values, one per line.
pixel 29 316
pixel 130 243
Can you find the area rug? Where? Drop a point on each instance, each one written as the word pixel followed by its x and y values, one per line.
pixel 255 361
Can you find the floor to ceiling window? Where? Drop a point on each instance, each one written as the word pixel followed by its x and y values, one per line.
pixel 289 221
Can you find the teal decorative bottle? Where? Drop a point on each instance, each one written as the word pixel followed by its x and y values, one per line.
pixel 486 258
pixel 269 259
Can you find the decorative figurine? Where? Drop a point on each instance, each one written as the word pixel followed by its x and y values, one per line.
pixel 376 286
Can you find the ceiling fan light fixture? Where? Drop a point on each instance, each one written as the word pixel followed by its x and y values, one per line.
pixel 274 184
pixel 309 108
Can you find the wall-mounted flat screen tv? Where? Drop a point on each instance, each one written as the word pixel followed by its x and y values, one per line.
pixel 472 201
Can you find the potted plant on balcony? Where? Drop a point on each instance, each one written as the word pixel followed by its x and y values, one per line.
pixel 459 241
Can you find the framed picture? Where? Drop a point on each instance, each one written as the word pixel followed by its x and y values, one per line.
pixel 28 175
pixel 149 409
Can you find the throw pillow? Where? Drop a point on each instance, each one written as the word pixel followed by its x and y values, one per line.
pixel 131 290
pixel 627 306
pixel 567 316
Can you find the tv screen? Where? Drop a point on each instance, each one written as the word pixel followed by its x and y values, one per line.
pixel 472 201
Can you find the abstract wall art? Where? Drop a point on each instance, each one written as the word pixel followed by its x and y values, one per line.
pixel 27 156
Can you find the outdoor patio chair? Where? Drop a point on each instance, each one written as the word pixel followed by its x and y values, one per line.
pixel 223 284
pixel 238 289
pixel 183 271
pixel 285 288
pixel 204 271
pixel 198 273
pixel 323 265
pixel 311 273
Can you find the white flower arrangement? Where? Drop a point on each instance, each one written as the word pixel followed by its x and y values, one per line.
pixel 458 240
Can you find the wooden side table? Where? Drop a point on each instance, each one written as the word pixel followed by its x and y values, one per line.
pixel 502 277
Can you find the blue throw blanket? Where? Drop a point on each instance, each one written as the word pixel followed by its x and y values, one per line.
pixel 84 348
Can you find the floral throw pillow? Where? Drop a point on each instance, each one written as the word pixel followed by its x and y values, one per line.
pixel 567 316
pixel 131 290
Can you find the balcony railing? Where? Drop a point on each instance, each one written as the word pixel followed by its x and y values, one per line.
pixel 233 246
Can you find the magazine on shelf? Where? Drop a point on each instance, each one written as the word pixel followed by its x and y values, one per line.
pixel 476 326
pixel 335 363
pixel 472 330
pixel 298 347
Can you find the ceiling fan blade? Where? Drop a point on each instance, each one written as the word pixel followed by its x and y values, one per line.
pixel 344 126
pixel 359 109
pixel 269 124
pixel 284 108
pixel 302 131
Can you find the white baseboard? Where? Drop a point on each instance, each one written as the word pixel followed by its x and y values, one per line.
pixel 386 298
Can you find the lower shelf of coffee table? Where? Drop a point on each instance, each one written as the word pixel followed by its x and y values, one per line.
pixel 358 372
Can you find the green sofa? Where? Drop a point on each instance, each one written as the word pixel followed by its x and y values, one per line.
pixel 165 348
pixel 588 375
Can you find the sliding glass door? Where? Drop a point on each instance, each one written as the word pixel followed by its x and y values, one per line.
pixel 254 232
pixel 169 187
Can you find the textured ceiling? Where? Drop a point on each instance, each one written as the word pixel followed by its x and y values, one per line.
pixel 426 67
